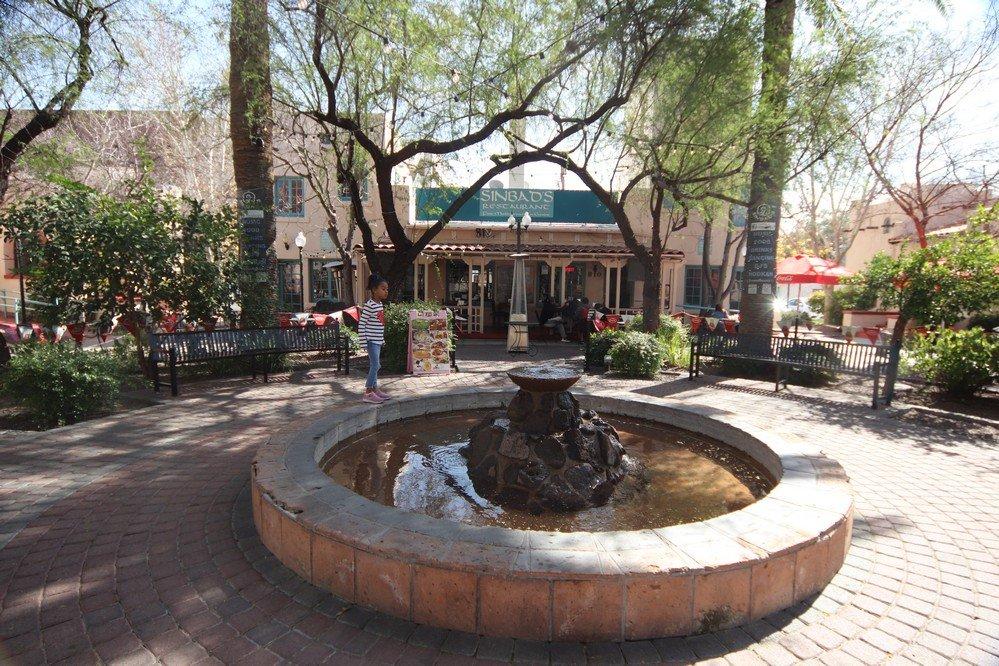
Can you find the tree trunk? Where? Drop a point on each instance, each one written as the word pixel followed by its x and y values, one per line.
pixel 707 289
pixel 769 172
pixel 251 128
pixel 651 305
pixel 827 303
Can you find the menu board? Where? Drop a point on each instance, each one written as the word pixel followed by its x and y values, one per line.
pixel 761 250
pixel 255 220
pixel 429 339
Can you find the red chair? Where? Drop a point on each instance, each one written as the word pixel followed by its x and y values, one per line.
pixel 612 321
pixel 695 324
pixel 729 325
pixel 872 333
pixel 169 323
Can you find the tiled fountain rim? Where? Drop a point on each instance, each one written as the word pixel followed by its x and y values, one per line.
pixel 810 501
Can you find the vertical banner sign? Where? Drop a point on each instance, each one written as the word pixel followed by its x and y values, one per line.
pixel 429 343
pixel 761 250
pixel 253 221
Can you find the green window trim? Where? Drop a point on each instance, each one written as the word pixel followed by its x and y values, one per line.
pixel 289 196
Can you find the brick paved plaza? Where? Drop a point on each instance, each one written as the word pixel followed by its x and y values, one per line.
pixel 129 539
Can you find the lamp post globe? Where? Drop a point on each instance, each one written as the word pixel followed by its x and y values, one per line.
pixel 527 219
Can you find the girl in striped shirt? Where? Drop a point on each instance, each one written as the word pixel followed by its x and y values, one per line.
pixel 372 331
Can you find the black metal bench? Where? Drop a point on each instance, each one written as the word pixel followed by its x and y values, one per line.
pixel 876 362
pixel 183 348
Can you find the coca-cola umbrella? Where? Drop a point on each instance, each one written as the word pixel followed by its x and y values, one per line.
pixel 806 269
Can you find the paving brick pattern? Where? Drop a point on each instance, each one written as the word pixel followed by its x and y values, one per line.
pixel 129 540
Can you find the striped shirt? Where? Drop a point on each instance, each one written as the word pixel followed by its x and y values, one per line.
pixel 372 325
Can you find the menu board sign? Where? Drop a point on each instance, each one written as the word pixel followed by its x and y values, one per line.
pixel 254 220
pixel 761 250
pixel 429 340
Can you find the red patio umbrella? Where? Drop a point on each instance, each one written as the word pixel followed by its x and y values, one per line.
pixel 806 269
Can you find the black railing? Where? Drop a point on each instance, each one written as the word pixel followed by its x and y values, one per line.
pixel 874 361
pixel 819 354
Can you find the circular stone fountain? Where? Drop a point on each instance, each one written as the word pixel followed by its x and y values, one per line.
pixel 608 585
pixel 544 453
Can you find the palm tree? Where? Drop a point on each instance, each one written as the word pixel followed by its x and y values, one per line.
pixel 771 157
pixel 250 122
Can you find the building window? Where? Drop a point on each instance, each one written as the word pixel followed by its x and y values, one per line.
pixel 345 190
pixel 700 246
pixel 692 286
pixel 289 285
pixel 323 282
pixel 289 196
pixel 886 225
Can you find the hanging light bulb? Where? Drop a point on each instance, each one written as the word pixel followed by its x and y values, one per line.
pixel 455 77
pixel 303 4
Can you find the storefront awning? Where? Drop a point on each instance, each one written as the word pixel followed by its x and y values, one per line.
pixel 539 251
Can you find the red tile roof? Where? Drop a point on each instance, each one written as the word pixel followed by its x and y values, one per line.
pixel 510 248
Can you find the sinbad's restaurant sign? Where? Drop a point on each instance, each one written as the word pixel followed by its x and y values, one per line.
pixel 496 205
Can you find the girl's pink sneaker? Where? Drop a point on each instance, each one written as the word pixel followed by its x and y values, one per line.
pixel 373 398
pixel 383 396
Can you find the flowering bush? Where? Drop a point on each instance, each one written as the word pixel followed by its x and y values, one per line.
pixel 961 362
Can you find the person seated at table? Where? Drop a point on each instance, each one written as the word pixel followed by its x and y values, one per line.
pixel 569 313
pixel 719 312
pixel 547 310
pixel 549 319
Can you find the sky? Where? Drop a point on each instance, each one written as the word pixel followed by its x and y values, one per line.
pixel 206 55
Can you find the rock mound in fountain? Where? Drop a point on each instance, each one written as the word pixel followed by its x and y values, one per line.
pixel 545 453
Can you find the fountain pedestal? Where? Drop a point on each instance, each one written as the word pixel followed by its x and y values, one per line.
pixel 546 453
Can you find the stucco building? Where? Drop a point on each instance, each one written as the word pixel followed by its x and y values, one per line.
pixel 886 228
pixel 576 248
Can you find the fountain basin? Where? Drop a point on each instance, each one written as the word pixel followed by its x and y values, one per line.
pixel 556 585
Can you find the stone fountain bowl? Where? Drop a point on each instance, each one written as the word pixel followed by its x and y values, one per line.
pixel 544 378
pixel 618 585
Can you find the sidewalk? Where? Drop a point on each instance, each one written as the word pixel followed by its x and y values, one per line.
pixel 130 539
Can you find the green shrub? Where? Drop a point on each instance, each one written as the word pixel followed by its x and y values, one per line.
pixel 598 346
pixel 790 317
pixel 353 339
pixel 58 384
pixel 817 301
pixel 397 331
pixel 673 336
pixel 637 355
pixel 961 362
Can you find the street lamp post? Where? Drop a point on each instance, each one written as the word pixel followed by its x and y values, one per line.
pixel 519 226
pixel 517 335
pixel 300 244
pixel 19 260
